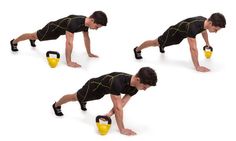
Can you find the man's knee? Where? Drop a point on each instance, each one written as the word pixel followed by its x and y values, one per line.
pixel 155 42
pixel 74 97
pixel 33 36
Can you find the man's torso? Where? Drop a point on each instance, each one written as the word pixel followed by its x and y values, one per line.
pixel 114 83
pixel 189 27
pixel 72 23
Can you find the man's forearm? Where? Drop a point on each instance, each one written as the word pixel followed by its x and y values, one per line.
pixel 205 37
pixel 87 45
pixel 193 51
pixel 124 101
pixel 69 47
pixel 194 55
pixel 119 118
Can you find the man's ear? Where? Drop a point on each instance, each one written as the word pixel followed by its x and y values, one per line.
pixel 137 79
pixel 92 20
pixel 210 23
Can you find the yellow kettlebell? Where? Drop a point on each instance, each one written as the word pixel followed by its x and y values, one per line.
pixel 103 124
pixel 52 61
pixel 208 51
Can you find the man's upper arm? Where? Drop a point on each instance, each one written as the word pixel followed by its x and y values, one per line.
pixel 192 42
pixel 69 37
pixel 116 100
pixel 125 99
pixel 85 34
pixel 204 32
pixel 205 35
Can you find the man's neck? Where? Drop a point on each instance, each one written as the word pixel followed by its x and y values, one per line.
pixel 132 81
pixel 206 24
pixel 86 21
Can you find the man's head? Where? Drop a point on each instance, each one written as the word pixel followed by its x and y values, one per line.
pixel 145 78
pixel 97 20
pixel 216 22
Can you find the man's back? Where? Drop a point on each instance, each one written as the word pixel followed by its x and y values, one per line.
pixel 113 83
pixel 71 23
pixel 189 27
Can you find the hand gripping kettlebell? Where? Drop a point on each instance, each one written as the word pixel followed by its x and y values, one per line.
pixel 103 124
pixel 208 51
pixel 52 61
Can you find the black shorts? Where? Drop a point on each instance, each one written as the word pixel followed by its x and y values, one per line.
pixel 49 32
pixel 89 92
pixel 169 37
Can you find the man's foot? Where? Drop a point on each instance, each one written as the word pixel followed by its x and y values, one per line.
pixel 161 49
pixel 13 46
pixel 57 110
pixel 137 54
pixel 32 43
pixel 83 106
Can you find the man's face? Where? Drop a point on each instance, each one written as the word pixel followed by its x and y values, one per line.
pixel 95 26
pixel 213 28
pixel 141 86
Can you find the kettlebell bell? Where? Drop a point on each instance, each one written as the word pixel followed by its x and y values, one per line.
pixel 208 51
pixel 52 61
pixel 103 124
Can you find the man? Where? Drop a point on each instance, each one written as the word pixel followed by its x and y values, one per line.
pixel 66 26
pixel 114 84
pixel 187 28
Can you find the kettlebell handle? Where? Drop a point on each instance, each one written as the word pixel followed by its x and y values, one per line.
pixel 53 52
pixel 103 117
pixel 207 47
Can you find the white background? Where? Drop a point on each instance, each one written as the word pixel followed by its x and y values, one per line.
pixel 184 106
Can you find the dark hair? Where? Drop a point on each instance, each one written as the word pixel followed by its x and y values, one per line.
pixel 218 19
pixel 147 76
pixel 99 18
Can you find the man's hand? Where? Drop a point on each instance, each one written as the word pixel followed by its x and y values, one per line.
pixel 202 69
pixel 110 113
pixel 127 132
pixel 92 55
pixel 73 65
